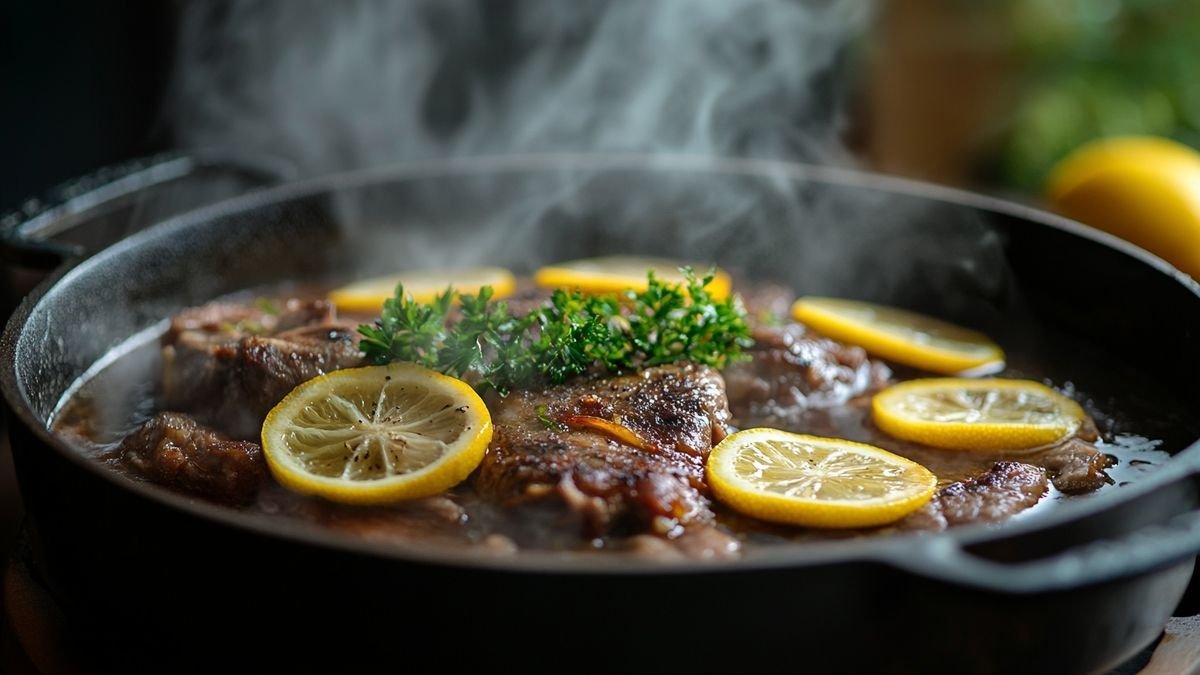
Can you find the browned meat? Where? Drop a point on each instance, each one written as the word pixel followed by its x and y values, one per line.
pixel 174 450
pixel 624 453
pixel 766 303
pixel 998 494
pixel 263 317
pixel 792 370
pixel 229 364
pixel 1075 466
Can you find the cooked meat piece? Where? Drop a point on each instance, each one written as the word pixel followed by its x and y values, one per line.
pixel 527 298
pixel 792 370
pixel 262 370
pixel 435 519
pixel 1075 466
pixel 625 453
pixel 257 318
pixel 998 494
pixel 230 364
pixel 767 303
pixel 174 450
pixel 699 541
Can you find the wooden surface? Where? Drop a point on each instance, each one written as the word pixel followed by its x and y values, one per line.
pixel 1178 653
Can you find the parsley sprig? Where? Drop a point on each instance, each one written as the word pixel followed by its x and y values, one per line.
pixel 569 335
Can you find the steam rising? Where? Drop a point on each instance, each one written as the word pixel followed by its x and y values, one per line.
pixel 336 86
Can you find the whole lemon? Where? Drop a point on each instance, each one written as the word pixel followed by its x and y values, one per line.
pixel 1145 190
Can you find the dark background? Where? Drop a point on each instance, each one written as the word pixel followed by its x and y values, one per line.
pixel 83 85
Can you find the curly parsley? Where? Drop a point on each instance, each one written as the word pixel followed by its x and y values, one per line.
pixel 569 335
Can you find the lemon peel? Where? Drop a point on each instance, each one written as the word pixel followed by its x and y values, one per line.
pixel 797 479
pixel 368 295
pixel 377 434
pixel 983 415
pixel 614 274
pixel 902 336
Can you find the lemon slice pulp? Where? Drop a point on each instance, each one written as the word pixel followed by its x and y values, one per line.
pixel 819 482
pixel 376 434
pixel 368 295
pixel 902 336
pixel 988 414
pixel 613 274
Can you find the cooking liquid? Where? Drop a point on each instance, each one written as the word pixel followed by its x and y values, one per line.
pixel 118 394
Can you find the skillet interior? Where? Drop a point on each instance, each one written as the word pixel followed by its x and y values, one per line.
pixel 1055 300
pixel 1046 289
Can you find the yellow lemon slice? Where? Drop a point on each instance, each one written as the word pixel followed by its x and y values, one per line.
pixel 376 434
pixel 819 482
pixel 901 336
pixel 613 274
pixel 367 296
pixel 988 414
pixel 1145 190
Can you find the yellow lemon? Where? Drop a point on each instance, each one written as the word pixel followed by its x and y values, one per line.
pixel 367 295
pixel 901 336
pixel 1145 190
pixel 613 274
pixel 376 434
pixel 987 414
pixel 819 482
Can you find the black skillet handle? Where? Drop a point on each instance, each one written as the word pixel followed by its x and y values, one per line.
pixel 1024 569
pixel 89 213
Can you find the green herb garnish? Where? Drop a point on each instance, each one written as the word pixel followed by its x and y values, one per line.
pixel 543 416
pixel 571 334
pixel 267 306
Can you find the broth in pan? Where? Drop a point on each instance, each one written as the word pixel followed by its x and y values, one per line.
pixel 603 410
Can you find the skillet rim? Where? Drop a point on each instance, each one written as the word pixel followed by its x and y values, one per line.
pixel 898 550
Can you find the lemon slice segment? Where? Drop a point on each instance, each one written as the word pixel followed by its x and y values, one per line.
pixel 902 336
pixel 819 482
pixel 613 274
pixel 367 295
pixel 988 414
pixel 377 434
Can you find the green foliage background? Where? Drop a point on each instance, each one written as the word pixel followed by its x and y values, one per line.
pixel 1093 68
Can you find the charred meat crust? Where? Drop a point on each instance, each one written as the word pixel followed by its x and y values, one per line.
pixel 645 472
pixel 174 450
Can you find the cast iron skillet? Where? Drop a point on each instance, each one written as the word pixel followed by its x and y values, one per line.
pixel 153 580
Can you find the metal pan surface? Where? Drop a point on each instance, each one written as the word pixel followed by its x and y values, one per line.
pixel 1075 588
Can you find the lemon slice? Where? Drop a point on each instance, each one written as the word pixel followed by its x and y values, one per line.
pixel 820 482
pixel 1143 189
pixel 423 285
pixel 376 434
pixel 613 274
pixel 987 414
pixel 901 336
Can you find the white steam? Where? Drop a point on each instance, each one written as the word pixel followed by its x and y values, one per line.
pixel 338 86
pixel 335 86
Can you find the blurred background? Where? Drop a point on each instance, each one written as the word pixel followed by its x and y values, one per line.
pixel 987 94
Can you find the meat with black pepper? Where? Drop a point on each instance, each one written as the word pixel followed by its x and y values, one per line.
pixel 174 450
pixel 1003 491
pixel 625 453
pixel 791 370
pixel 229 364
